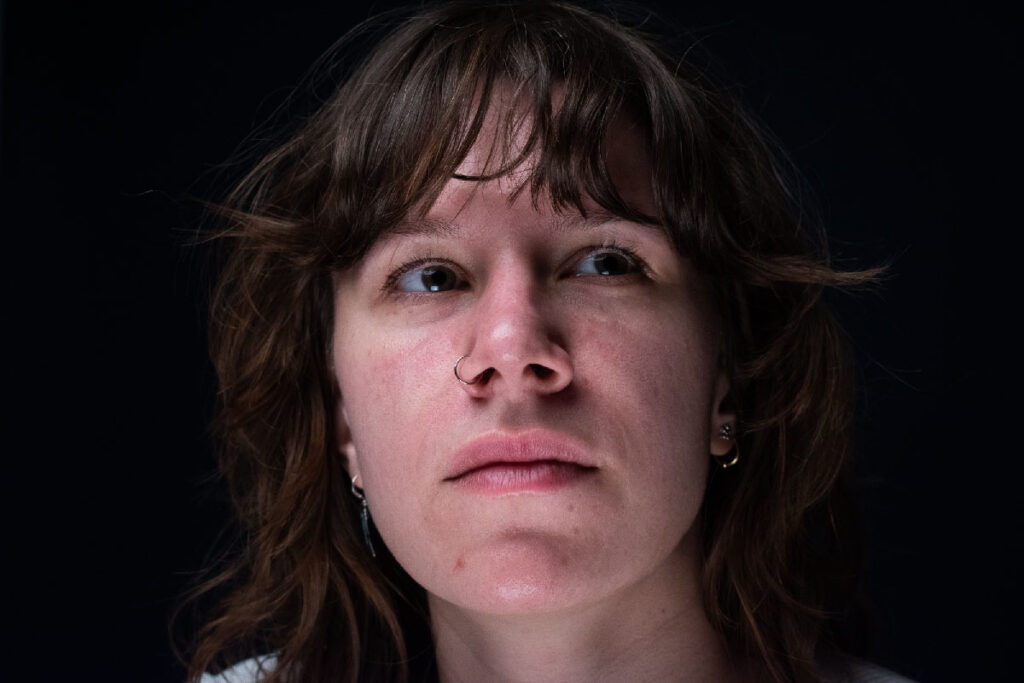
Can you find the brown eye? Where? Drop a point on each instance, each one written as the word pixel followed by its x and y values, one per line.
pixel 432 278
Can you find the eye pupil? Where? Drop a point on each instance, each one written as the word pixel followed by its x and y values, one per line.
pixel 610 263
pixel 437 279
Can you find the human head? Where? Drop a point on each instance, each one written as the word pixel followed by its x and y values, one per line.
pixel 382 148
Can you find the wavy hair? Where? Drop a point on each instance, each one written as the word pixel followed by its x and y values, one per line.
pixel 778 570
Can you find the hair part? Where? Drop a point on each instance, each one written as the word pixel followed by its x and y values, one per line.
pixel 380 149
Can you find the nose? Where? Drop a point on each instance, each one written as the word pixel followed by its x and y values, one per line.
pixel 516 341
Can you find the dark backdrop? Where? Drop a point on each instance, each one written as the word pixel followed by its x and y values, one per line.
pixel 115 117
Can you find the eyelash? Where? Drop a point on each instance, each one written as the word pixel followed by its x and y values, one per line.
pixel 392 279
pixel 620 249
pixel 605 247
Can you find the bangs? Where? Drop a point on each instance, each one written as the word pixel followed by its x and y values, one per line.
pixel 539 87
pixel 542 89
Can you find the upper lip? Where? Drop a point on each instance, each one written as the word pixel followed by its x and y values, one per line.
pixel 519 447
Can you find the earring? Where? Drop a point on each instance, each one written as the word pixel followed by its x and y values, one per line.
pixel 364 515
pixel 724 461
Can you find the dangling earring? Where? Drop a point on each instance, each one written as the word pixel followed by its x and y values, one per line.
pixel 364 514
pixel 724 461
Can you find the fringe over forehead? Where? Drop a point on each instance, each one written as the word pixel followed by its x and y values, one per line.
pixel 554 78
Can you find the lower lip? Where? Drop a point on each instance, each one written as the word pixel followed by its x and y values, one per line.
pixel 506 477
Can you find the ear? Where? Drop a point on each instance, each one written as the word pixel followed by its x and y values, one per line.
pixel 346 447
pixel 721 414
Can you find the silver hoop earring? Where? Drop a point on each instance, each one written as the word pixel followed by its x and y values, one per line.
pixel 724 461
pixel 364 515
pixel 457 372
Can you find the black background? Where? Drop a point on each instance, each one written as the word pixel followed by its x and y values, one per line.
pixel 115 117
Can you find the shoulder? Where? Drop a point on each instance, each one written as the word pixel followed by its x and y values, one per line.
pixel 249 671
pixel 863 672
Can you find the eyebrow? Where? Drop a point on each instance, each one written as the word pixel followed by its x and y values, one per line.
pixel 433 227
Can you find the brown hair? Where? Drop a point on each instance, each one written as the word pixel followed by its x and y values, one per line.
pixel 382 146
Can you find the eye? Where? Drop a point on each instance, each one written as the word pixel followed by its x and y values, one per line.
pixel 430 278
pixel 608 262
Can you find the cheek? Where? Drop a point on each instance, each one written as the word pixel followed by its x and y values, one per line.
pixel 660 362
pixel 656 373
pixel 391 386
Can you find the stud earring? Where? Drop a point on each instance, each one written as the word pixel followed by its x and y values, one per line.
pixel 725 461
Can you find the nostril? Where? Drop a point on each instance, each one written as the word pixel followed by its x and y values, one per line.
pixel 541 371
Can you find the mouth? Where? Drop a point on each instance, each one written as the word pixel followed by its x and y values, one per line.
pixel 505 477
pixel 538 460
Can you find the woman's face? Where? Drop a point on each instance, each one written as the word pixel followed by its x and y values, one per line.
pixel 575 466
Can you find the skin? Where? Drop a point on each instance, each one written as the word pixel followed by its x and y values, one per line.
pixel 596 580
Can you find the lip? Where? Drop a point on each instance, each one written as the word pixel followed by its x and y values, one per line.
pixel 549 453
pixel 536 476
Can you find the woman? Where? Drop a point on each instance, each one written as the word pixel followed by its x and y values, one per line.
pixel 525 375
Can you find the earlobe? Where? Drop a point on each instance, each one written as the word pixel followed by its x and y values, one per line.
pixel 346 447
pixel 722 416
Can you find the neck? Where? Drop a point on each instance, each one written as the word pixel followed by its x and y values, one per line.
pixel 655 630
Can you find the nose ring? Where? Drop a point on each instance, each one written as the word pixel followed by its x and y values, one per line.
pixel 457 371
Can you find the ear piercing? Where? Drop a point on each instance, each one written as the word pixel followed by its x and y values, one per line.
pixel 364 515
pixel 724 461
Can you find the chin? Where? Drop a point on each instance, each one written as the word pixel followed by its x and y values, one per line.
pixel 530 574
pixel 516 595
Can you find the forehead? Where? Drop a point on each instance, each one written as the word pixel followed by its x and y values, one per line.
pixel 518 145
pixel 443 220
pixel 511 141
pixel 509 157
